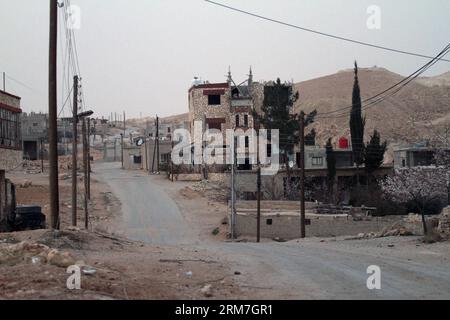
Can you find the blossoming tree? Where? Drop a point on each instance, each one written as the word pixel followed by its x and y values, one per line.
pixel 420 185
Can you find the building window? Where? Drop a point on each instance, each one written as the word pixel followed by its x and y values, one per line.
pixel 165 158
pixel 246 121
pixel 317 161
pixel 214 100
pixel 247 142
pixel 10 135
pixel 137 159
pixel 269 151
pixel 237 121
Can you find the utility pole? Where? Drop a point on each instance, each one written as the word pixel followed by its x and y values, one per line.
pixel 146 154
pixel 157 143
pixel 4 81
pixel 302 175
pixel 121 143
pixel 124 124
pixel 89 157
pixel 258 187
pixel 52 115
pixel 95 131
pixel 74 150
pixel 115 149
pixel 233 191
pixel 42 155
pixel 171 159
pixel 85 167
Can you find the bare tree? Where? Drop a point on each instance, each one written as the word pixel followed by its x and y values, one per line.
pixel 420 185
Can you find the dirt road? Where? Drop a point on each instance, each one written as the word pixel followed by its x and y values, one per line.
pixel 310 269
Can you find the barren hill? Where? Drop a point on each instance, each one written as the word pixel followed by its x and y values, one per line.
pixel 414 114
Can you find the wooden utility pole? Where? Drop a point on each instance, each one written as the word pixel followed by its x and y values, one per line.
pixel 42 155
pixel 52 116
pixel 171 159
pixel 146 155
pixel 74 150
pixel 157 144
pixel 95 131
pixel 85 167
pixel 89 158
pixel 258 197
pixel 258 184
pixel 115 149
pixel 233 187
pixel 302 175
pixel 124 124
pixel 121 149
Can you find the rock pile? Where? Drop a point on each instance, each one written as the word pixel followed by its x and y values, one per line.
pixel 444 222
pixel 396 230
pixel 34 253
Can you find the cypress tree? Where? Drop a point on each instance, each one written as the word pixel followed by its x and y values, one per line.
pixel 374 153
pixel 357 125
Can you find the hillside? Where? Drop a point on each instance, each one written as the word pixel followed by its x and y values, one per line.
pixel 175 119
pixel 403 118
pixel 442 80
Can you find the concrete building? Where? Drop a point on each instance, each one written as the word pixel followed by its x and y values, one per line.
pixel 34 130
pixel 227 105
pixel 10 152
pixel 413 156
pixel 132 158
pixel 224 105
pixel 149 155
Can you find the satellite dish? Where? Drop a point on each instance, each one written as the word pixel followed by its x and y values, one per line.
pixel 140 142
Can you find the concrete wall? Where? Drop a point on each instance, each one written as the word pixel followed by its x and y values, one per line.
pixel 130 155
pixel 10 158
pixel 148 150
pixel 288 226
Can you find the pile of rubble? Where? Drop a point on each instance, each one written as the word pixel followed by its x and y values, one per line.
pixel 396 230
pixel 212 190
pixel 35 253
pixel 444 223
pixel 32 167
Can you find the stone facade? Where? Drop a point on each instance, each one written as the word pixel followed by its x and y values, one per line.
pixel 444 222
pixel 10 159
pixel 10 144
pixel 231 111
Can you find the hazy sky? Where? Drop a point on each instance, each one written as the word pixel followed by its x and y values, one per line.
pixel 141 55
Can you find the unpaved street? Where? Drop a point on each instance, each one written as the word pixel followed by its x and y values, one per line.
pixel 309 269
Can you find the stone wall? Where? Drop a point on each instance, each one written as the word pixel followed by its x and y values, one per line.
pixel 129 155
pixel 287 226
pixel 444 222
pixel 10 158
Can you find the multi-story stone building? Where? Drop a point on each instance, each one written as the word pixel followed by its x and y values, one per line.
pixel 226 105
pixel 10 131
pixel 10 151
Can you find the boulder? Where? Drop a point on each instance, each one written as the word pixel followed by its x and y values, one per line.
pixel 63 260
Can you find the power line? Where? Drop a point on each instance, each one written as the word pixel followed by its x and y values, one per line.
pixel 322 33
pixel 390 91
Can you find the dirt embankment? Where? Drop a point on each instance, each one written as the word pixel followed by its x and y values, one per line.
pixel 28 269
